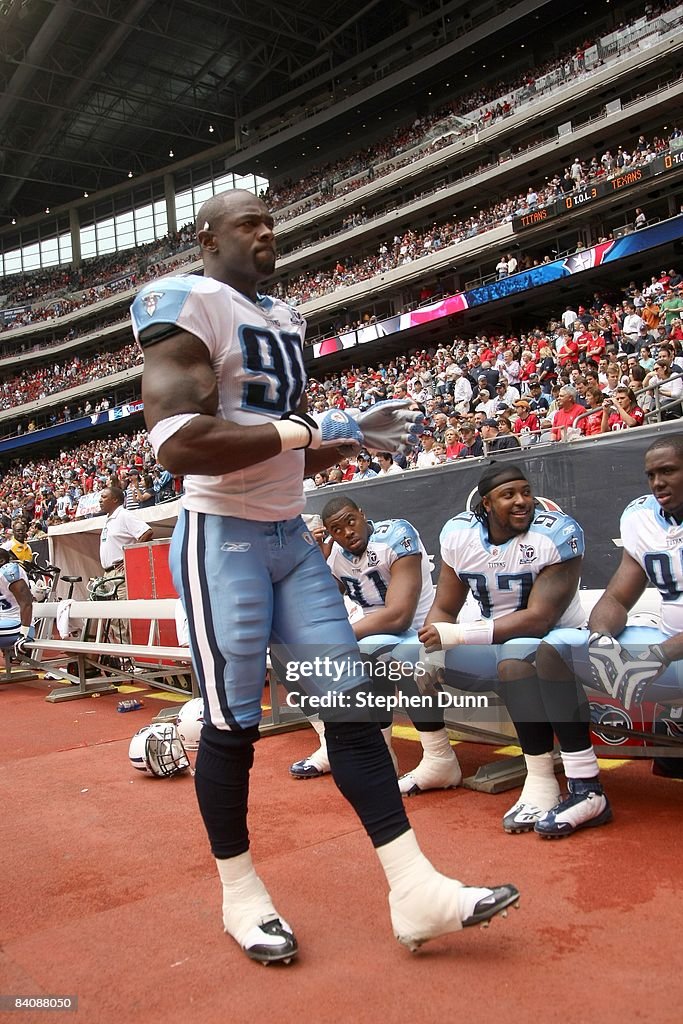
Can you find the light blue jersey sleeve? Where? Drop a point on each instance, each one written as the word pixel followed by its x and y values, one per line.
pixel 399 535
pixel 12 572
pixel 563 531
pixel 157 309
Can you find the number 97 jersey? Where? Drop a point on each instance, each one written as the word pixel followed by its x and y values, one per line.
pixel 255 349
pixel 500 576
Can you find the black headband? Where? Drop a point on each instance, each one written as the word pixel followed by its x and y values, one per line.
pixel 496 474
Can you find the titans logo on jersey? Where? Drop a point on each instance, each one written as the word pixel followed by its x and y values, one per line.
pixel 500 576
pixel 366 577
pixel 655 541
pixel 255 350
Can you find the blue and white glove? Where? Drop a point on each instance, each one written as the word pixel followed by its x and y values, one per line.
pixel 390 426
pixel 26 634
pixel 328 429
pixel 619 674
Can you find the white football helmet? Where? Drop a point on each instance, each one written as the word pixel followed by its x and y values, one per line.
pixel 158 750
pixel 39 590
pixel 190 722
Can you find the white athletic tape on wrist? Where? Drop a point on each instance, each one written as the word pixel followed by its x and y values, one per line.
pixel 164 429
pixel 24 630
pixel 293 434
pixel 454 634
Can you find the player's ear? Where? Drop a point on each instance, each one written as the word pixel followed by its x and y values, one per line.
pixel 207 240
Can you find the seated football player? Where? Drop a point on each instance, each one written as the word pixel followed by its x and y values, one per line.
pixel 636 663
pixel 522 564
pixel 383 569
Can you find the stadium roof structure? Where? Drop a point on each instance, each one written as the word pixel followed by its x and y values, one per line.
pixel 94 91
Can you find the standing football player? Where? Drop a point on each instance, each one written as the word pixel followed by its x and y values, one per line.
pixel 223 388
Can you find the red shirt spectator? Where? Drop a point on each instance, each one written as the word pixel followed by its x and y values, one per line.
pixel 567 352
pixel 567 412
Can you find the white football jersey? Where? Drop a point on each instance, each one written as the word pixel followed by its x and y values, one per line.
pixel 256 354
pixel 366 577
pixel 10 573
pixel 500 576
pixel 655 541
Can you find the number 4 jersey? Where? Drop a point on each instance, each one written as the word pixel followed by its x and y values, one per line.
pixel 501 576
pixel 366 577
pixel 255 350
pixel 655 541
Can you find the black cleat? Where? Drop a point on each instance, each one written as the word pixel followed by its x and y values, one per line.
pixel 502 896
pixel 276 943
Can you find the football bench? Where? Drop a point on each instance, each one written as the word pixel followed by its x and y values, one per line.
pixel 159 665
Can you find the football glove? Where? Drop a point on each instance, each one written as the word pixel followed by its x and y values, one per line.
pixel 619 674
pixel 390 426
pixel 327 429
pixel 26 634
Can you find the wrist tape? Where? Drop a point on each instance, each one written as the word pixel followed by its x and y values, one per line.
pixel 453 634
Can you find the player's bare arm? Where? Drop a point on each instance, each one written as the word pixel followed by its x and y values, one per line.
pixel 550 596
pixel 610 614
pixel 451 594
pixel 179 378
pixel 22 593
pixel 400 602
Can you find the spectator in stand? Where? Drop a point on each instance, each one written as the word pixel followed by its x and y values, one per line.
pixel 473 445
pixel 347 468
pixel 547 371
pixel 591 425
pixel 640 219
pixel 621 411
pixel 502 268
pixel 493 440
pixel 365 470
pixel 668 387
pixel 387 466
pixel 526 423
pixel 427 458
pixel 630 329
pixel 567 412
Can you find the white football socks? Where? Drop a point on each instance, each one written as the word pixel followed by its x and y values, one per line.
pixel 319 758
pixel 246 903
pixel 439 767
pixel 541 788
pixel 580 764
pixel 423 902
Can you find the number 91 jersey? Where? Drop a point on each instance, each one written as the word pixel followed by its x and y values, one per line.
pixel 500 576
pixel 655 541
pixel 366 577
pixel 255 350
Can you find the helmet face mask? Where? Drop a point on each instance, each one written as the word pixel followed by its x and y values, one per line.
pixel 190 722
pixel 158 750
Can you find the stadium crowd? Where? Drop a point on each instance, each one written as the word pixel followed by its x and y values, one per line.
pixel 588 371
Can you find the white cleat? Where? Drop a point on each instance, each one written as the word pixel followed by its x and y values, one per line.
pixel 521 817
pixel 431 773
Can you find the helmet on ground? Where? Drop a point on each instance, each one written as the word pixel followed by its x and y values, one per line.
pixel 158 750
pixel 190 722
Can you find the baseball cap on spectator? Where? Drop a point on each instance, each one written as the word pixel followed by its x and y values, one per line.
pixel 427 433
pixel 522 402
pixel 489 422
pixel 365 456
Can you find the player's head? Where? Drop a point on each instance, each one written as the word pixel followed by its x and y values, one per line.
pixel 235 234
pixel 664 471
pixel 507 502
pixel 346 523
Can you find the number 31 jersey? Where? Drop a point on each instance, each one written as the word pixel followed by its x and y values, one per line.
pixel 500 576
pixel 366 577
pixel 655 541
pixel 255 350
